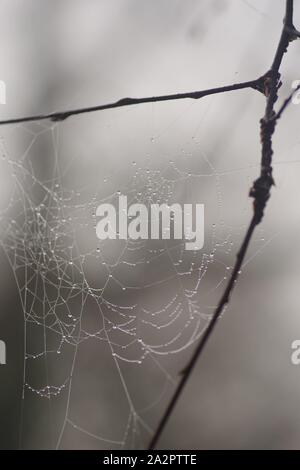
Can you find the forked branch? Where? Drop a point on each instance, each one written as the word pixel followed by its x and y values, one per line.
pixel 260 192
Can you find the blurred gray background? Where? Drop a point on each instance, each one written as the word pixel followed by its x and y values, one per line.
pixel 244 393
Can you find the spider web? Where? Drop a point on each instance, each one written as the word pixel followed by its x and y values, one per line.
pixel 108 324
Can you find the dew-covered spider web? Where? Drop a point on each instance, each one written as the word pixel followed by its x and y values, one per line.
pixel 109 325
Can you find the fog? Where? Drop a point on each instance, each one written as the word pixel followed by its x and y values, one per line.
pixel 97 332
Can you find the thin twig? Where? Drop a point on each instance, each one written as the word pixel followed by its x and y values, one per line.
pixel 260 191
pixel 286 102
pixel 62 115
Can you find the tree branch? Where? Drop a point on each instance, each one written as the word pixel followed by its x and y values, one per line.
pixel 260 192
pixel 62 115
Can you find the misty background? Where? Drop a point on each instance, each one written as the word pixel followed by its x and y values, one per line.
pixel 75 393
